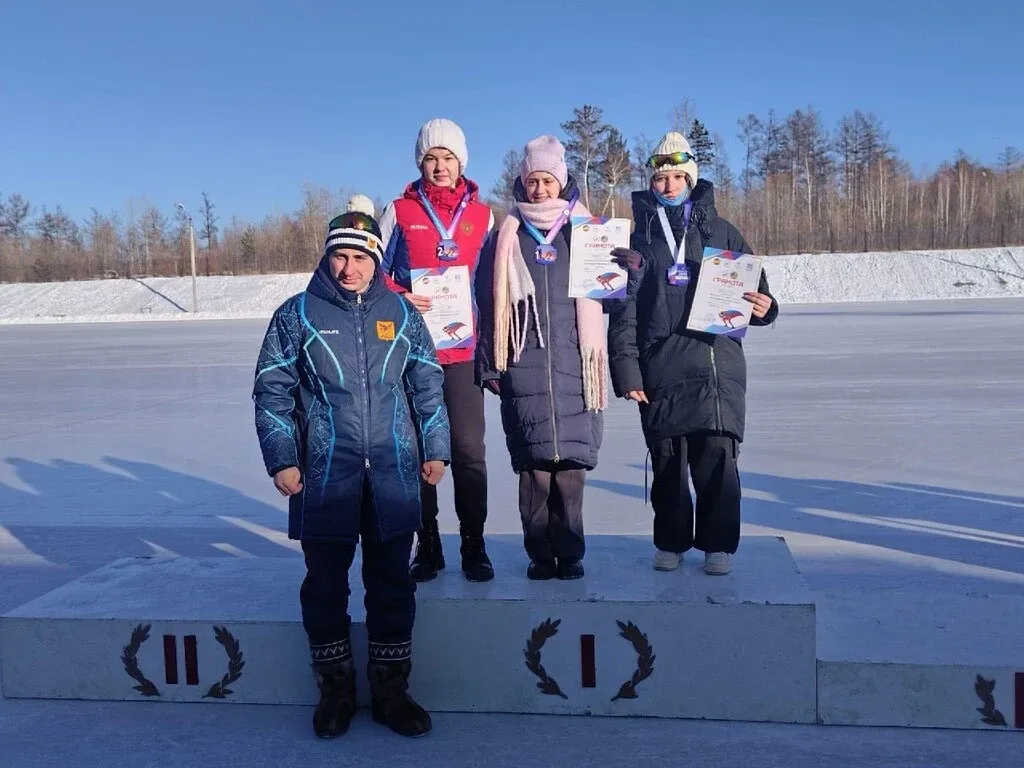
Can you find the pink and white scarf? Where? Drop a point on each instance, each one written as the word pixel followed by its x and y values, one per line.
pixel 514 286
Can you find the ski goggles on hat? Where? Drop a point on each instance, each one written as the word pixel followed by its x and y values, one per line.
pixel 359 220
pixel 674 158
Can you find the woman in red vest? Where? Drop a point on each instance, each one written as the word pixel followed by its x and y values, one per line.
pixel 434 233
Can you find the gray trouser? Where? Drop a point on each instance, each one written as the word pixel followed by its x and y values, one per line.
pixel 551 506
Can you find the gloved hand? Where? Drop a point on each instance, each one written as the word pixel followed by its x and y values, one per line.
pixel 494 385
pixel 627 258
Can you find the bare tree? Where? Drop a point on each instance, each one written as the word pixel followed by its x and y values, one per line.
pixel 682 115
pixel 316 211
pixel 153 234
pixel 208 230
pixel 643 148
pixel 247 243
pixel 721 172
pixel 585 133
pixel 750 137
pixel 502 191
pixel 13 215
pixel 614 165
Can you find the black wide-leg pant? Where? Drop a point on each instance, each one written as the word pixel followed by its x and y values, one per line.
pixel 713 523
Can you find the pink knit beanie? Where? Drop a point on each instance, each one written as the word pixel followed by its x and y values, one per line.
pixel 545 153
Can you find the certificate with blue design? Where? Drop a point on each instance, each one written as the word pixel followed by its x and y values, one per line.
pixel 718 305
pixel 592 273
pixel 450 319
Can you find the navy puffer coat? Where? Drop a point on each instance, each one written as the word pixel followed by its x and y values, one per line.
pixel 336 376
pixel 542 409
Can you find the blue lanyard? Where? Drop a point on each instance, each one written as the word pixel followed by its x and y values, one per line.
pixel 446 233
pixel 559 223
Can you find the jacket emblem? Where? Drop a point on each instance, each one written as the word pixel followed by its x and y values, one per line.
pixel 385 330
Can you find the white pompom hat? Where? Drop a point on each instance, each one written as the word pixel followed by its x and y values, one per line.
pixel 442 132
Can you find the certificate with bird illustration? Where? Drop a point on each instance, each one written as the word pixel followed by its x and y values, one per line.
pixel 592 273
pixel 718 305
pixel 450 318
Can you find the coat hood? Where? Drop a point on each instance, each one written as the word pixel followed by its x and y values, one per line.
pixel 704 214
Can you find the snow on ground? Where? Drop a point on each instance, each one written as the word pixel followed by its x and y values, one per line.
pixel 884 443
pixel 804 278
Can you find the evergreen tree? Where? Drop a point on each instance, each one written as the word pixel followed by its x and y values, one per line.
pixel 700 142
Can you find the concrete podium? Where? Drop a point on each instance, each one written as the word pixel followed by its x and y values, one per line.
pixel 921 660
pixel 624 640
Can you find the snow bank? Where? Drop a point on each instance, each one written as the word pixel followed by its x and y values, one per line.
pixel 797 279
pixel 156 298
pixel 900 276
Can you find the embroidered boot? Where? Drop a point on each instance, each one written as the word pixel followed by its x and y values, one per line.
pixel 336 680
pixel 389 685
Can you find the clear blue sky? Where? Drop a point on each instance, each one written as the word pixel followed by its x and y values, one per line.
pixel 102 101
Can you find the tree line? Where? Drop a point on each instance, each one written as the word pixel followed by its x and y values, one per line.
pixel 797 186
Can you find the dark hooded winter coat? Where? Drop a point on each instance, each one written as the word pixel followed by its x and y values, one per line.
pixel 335 380
pixel 542 407
pixel 695 382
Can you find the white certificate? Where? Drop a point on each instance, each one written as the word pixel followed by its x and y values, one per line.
pixel 450 319
pixel 718 304
pixel 592 273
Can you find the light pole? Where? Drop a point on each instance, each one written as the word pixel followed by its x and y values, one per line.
pixel 192 251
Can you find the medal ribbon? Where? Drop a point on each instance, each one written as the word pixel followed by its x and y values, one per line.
pixel 559 223
pixel 678 249
pixel 449 233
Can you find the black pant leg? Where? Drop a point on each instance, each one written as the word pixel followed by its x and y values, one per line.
pixel 428 503
pixel 323 598
pixel 716 480
pixel 534 489
pixel 390 597
pixel 465 403
pixel 565 513
pixel 670 495
pixel 390 592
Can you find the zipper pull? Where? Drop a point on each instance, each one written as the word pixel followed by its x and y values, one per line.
pixel 367 462
pixel 359 298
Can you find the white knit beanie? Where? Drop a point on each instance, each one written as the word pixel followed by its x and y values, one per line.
pixel 442 132
pixel 676 142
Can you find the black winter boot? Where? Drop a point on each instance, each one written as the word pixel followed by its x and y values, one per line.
pixel 541 570
pixel 475 563
pixel 392 705
pixel 337 707
pixel 429 558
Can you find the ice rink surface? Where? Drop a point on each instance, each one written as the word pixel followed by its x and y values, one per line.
pixel 885 442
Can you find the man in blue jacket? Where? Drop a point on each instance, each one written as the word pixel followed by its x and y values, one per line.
pixel 340 366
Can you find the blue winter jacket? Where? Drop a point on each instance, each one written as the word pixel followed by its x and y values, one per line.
pixel 336 376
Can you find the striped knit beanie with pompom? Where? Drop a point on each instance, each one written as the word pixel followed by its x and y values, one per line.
pixel 356 228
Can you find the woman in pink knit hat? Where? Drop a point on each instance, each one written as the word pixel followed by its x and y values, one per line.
pixel 545 354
